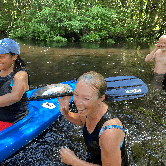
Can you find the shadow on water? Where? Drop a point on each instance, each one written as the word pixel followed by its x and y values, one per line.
pixel 143 117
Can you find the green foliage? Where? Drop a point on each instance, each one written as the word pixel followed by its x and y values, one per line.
pixel 110 41
pixel 101 24
pixel 59 39
pixel 91 37
pixel 87 21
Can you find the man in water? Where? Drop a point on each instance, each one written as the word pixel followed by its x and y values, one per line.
pixel 159 54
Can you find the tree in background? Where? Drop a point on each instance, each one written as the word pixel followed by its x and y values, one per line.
pixel 83 20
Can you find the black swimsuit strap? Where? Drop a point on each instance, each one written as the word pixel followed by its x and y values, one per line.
pixel 10 75
pixel 4 79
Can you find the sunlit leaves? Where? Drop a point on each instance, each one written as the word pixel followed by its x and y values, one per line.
pixel 86 20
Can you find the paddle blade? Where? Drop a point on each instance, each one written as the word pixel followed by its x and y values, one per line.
pixel 125 88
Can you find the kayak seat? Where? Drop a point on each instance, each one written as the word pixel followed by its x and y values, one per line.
pixel 4 125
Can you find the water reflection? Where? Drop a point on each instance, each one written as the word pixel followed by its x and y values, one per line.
pixel 143 117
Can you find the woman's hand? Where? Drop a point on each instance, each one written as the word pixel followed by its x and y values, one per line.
pixel 64 104
pixel 67 156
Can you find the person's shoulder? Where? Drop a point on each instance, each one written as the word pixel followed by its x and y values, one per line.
pixel 158 52
pixel 113 136
pixel 112 132
pixel 21 75
pixel 114 121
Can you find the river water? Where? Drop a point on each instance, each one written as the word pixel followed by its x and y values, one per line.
pixel 143 117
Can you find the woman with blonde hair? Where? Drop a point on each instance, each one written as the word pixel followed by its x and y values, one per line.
pixel 103 135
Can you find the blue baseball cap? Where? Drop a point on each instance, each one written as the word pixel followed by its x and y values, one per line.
pixel 9 45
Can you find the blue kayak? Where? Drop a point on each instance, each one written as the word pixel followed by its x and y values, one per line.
pixel 43 112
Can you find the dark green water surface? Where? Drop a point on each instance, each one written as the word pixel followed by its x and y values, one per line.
pixel 143 117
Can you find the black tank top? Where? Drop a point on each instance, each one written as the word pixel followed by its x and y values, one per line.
pixel 92 143
pixel 16 111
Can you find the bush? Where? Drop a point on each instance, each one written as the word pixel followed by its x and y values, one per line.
pixel 88 21
pixel 94 25
pixel 91 37
pixel 110 41
pixel 59 39
pixel 43 26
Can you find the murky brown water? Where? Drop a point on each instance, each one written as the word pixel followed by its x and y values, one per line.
pixel 143 117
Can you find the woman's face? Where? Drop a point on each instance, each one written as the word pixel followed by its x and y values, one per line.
pixel 6 61
pixel 86 98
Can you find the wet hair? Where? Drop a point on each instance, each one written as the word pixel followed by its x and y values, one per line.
pixel 95 80
pixel 19 63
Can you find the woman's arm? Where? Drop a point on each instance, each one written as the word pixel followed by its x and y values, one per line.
pixel 19 88
pixel 110 141
pixel 74 118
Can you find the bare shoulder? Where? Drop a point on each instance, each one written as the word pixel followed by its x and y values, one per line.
pixel 158 53
pixel 21 75
pixel 113 135
pixel 114 121
pixel 21 81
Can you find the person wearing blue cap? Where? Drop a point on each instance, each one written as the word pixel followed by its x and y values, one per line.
pixel 13 84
